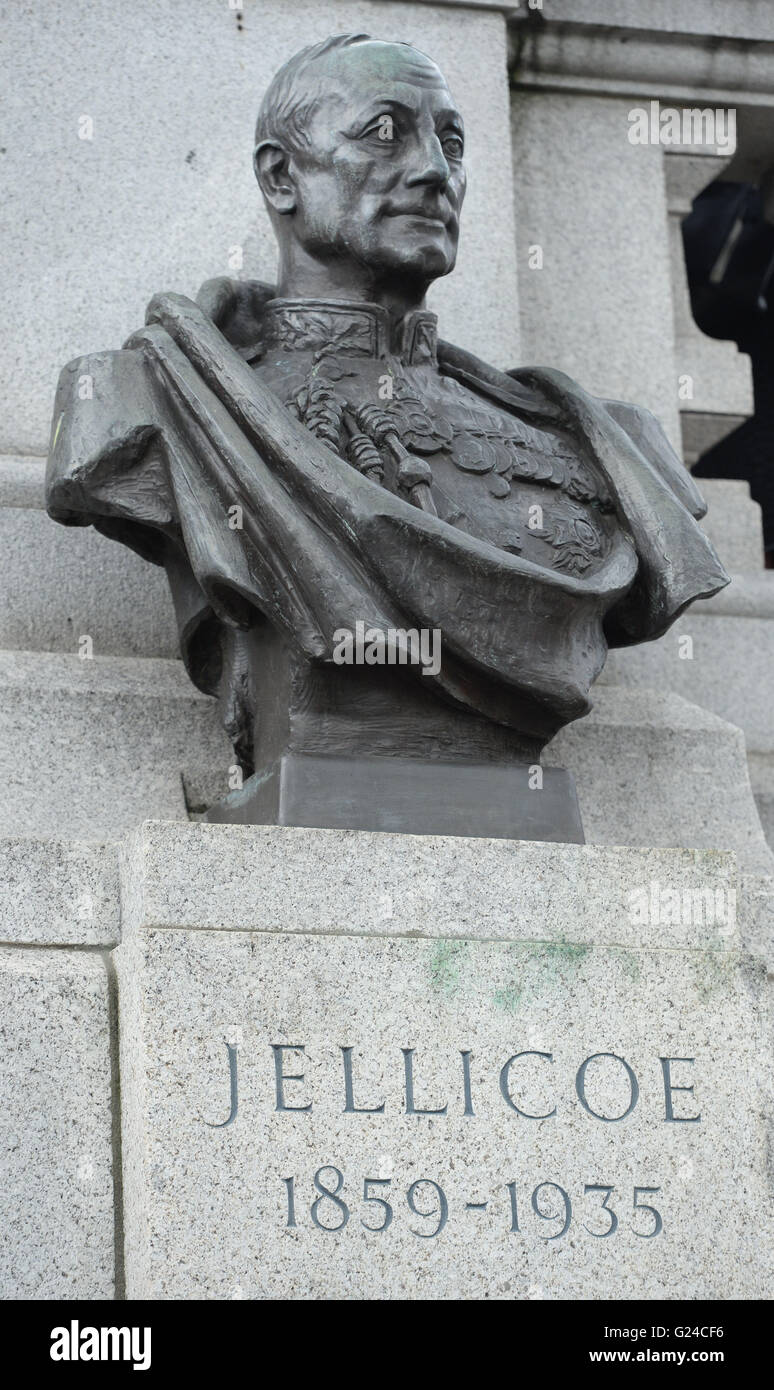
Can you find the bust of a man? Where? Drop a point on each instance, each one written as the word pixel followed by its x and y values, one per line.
pixel 329 486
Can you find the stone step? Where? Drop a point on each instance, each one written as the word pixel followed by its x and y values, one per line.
pixel 89 748
pixel 762 779
pixel 98 745
pixel 652 769
pixel 747 596
pixel 22 480
pixel 733 523
pixel 719 654
pixel 63 583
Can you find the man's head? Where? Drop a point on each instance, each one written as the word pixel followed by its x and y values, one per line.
pixel 359 158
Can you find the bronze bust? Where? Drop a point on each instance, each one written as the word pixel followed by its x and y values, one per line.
pixel 311 460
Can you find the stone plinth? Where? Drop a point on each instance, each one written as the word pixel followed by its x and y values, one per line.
pixel 383 1066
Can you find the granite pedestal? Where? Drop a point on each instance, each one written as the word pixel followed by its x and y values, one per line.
pixel 385 1066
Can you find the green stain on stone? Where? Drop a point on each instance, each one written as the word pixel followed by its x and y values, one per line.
pixel 569 952
pixel 556 960
pixel 536 971
pixel 444 965
pixel 630 964
pixel 712 971
pixel 508 998
pixel 531 970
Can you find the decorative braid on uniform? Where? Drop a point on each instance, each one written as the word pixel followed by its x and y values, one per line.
pixel 414 475
pixel 322 412
pixel 362 451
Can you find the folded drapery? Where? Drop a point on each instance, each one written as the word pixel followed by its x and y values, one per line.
pixel 174 432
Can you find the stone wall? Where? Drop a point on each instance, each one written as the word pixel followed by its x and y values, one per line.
pixel 162 194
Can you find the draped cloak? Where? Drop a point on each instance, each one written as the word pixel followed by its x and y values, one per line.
pixel 155 444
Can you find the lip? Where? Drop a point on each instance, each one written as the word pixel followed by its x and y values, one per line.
pixel 431 219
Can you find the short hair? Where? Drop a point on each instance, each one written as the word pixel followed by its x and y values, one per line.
pixel 285 114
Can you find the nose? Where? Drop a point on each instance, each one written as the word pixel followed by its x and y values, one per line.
pixel 431 167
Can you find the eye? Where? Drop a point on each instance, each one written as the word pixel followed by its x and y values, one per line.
pixel 452 145
pixel 382 128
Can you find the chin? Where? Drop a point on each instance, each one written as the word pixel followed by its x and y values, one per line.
pixel 420 261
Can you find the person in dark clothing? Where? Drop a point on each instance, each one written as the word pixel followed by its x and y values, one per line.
pixel 729 255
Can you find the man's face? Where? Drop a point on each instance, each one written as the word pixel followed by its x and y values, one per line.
pixel 382 181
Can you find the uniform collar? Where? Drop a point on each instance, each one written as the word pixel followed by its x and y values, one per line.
pixel 353 329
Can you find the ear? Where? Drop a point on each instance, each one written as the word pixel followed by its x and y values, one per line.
pixel 274 175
